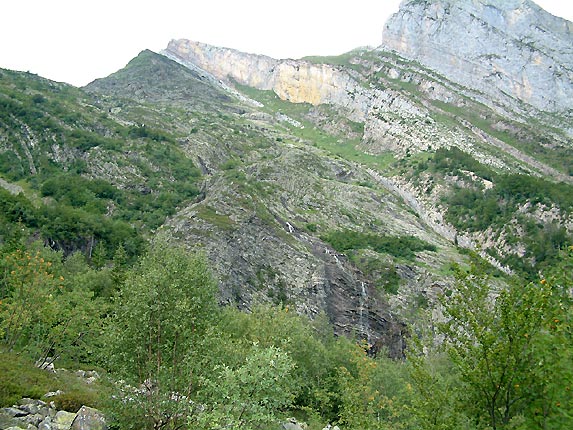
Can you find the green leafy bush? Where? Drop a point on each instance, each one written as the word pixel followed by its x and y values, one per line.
pixel 74 399
pixel 250 395
pixel 20 378
pixel 163 309
pixel 398 246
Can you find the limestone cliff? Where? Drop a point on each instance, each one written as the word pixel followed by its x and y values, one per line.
pixel 292 80
pixel 505 48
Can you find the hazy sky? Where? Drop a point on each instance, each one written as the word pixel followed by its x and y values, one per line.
pixel 76 41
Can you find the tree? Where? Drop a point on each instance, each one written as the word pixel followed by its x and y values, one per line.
pixel 362 403
pixel 28 306
pixel 435 397
pixel 552 406
pixel 40 312
pixel 489 336
pixel 250 395
pixel 165 305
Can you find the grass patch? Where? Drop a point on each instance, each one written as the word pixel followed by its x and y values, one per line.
pixel 210 215
pixel 380 269
pixel 335 145
pixel 397 246
pixel 20 378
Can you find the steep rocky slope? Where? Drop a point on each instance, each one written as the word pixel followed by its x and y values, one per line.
pixel 273 189
pixel 409 110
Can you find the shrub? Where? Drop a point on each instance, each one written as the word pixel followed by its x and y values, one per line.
pixel 72 401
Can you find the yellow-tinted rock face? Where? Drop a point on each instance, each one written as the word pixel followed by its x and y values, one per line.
pixel 305 83
pixel 295 81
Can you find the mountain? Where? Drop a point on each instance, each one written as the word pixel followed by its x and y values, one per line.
pixel 512 51
pixel 347 185
pixel 451 141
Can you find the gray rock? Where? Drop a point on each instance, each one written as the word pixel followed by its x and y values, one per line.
pixel 12 188
pixel 293 424
pixel 31 408
pixel 89 419
pixel 63 420
pixel 8 421
pixel 14 412
pixel 46 411
pixel 47 364
pixel 92 374
pixel 28 401
pixel 33 419
pixel 509 47
pixel 46 424
pixel 53 393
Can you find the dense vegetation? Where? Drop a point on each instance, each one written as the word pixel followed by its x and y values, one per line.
pixel 404 246
pixel 52 130
pixel 184 362
pixel 507 208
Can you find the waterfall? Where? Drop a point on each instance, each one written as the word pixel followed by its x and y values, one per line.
pixel 363 313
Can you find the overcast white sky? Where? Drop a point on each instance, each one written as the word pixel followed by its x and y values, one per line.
pixel 77 41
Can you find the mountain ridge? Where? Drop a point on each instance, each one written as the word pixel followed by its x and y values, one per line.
pixel 404 91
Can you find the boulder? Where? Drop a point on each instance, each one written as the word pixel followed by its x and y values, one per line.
pixel 46 424
pixel 33 419
pixel 293 424
pixel 89 419
pixel 13 412
pixel 63 420
pixel 7 421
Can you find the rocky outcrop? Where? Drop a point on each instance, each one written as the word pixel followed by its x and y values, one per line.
pixel 33 414
pixel 509 49
pixel 293 80
pixel 11 188
pixel 89 419
pixel 276 261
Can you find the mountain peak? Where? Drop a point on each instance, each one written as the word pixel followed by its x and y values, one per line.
pixel 508 48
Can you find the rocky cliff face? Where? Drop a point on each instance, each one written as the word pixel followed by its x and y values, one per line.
pixel 292 80
pixel 505 48
pixel 300 81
